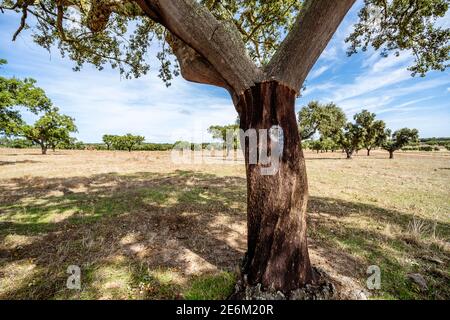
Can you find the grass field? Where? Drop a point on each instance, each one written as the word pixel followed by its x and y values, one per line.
pixel 141 227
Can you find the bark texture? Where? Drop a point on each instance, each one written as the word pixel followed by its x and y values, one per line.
pixel 277 256
pixel 213 52
pixel 313 29
pixel 391 154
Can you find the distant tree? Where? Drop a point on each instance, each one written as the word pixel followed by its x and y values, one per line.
pixel 306 144
pixel 49 130
pixel 350 138
pixel 374 130
pixel 19 93
pixel 399 139
pixel 326 119
pixel 316 145
pixel 108 139
pixel 329 144
pixel 20 143
pixel 220 132
pixel 72 143
pixel 127 142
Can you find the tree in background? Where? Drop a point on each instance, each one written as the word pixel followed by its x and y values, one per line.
pixel 374 130
pixel 316 145
pixel 72 144
pixel 239 46
pixel 220 132
pixel 329 144
pixel 399 139
pixel 49 130
pixel 322 144
pixel 19 93
pixel 351 138
pixel 326 119
pixel 108 139
pixel 126 142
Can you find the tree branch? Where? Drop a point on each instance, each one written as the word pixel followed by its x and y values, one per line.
pixel 216 43
pixel 22 22
pixel 193 66
pixel 313 29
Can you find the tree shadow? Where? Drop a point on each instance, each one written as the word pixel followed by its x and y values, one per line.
pixel 183 221
pixel 355 235
pixel 155 232
pixel 8 163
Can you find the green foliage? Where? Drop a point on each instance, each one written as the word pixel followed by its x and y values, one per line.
pixel 400 138
pixel 120 35
pixel 306 144
pixel 71 144
pixel 327 119
pixel 262 24
pixel 155 147
pixel 440 141
pixel 19 93
pixel 404 25
pixel 351 138
pixel 315 145
pixel 323 144
pixel 211 287
pixel 425 148
pixel 49 130
pixel 19 143
pixel 126 142
pixel 108 139
pixel 220 132
pixel 374 130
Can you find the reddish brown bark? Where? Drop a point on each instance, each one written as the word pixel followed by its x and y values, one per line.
pixel 277 255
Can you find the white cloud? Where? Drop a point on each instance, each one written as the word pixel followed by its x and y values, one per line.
pixel 318 72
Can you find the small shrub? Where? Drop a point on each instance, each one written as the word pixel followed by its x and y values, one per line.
pixel 425 148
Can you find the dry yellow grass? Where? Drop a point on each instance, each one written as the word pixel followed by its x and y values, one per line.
pixel 140 226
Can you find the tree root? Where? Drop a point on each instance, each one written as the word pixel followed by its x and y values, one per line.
pixel 322 289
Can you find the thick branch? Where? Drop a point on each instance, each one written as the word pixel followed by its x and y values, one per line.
pixel 313 29
pixel 217 42
pixel 22 22
pixel 193 66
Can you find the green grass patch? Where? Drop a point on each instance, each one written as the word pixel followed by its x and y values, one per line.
pixel 211 287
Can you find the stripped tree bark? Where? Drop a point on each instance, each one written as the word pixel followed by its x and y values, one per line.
pixel 212 52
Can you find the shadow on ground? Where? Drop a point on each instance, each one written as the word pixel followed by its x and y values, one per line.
pixel 178 235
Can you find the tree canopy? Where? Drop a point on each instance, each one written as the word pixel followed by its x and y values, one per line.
pixel 16 93
pixel 404 25
pixel 399 139
pixel 125 142
pixel 350 138
pixel 49 130
pixel 326 119
pixel 374 130
pixel 121 33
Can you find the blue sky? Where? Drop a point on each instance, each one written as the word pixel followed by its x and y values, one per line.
pixel 102 102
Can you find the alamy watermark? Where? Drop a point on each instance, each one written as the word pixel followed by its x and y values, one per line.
pixel 263 146
pixel 373 282
pixel 74 279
